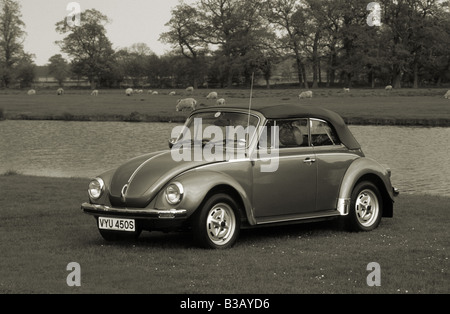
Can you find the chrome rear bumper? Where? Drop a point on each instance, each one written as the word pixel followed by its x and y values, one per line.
pixel 395 191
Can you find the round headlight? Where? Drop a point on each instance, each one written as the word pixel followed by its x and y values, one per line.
pixel 96 188
pixel 174 193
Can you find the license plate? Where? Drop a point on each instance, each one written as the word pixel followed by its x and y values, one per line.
pixel 120 224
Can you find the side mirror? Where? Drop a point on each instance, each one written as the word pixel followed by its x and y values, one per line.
pixel 241 143
pixel 172 141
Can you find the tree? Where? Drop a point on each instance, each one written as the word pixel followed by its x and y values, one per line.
pixel 234 28
pixel 289 20
pixel 25 70
pixel 436 61
pixel 183 36
pixel 11 39
pixel 356 36
pixel 133 62
pixel 59 68
pixel 409 45
pixel 88 46
pixel 407 31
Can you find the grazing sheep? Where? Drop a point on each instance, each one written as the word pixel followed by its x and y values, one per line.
pixel 447 95
pixel 155 93
pixel 149 91
pixel 31 92
pixel 186 103
pixel 220 101
pixel 190 89
pixel 389 87
pixel 139 91
pixel 172 93
pixel 94 92
pixel 129 91
pixel 346 90
pixel 307 94
pixel 212 95
pixel 60 91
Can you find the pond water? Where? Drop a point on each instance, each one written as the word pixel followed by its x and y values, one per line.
pixel 418 157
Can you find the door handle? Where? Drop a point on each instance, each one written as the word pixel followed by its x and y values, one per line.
pixel 309 160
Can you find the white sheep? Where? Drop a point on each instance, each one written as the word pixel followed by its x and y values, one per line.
pixel 129 91
pixel 447 94
pixel 155 93
pixel 346 90
pixel 149 91
pixel 389 87
pixel 307 94
pixel 172 93
pixel 94 92
pixel 190 89
pixel 212 95
pixel 220 101
pixel 186 103
pixel 31 92
pixel 60 91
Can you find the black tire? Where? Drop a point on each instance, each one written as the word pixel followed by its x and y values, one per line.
pixel 366 207
pixel 217 223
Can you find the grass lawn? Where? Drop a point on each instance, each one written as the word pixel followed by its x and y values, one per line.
pixel 361 106
pixel 43 229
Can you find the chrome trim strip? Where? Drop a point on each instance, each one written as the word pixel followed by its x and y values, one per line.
pixel 123 194
pixel 298 218
pixel 142 165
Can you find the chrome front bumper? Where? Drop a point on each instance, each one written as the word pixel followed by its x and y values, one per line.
pixel 144 213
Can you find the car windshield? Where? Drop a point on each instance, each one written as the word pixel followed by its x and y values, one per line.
pixel 230 129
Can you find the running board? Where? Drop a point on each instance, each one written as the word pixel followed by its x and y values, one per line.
pixel 295 218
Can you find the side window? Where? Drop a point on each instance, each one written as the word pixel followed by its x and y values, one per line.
pixel 323 134
pixel 291 133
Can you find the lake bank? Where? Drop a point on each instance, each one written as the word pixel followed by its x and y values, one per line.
pixel 138 117
pixel 422 107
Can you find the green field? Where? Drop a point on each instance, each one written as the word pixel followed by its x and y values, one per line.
pixel 360 106
pixel 43 229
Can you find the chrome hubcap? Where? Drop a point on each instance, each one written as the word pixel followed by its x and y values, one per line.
pixel 367 208
pixel 221 224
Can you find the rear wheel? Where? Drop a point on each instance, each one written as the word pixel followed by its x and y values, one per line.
pixel 366 207
pixel 217 223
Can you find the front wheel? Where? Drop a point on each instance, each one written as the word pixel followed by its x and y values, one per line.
pixel 366 207
pixel 217 223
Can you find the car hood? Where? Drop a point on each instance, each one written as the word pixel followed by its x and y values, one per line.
pixel 136 182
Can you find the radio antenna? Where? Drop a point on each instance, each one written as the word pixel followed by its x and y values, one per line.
pixel 249 108
pixel 250 102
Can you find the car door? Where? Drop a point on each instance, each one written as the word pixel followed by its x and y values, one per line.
pixel 289 190
pixel 332 159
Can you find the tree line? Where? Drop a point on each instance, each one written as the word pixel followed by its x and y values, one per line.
pixel 225 43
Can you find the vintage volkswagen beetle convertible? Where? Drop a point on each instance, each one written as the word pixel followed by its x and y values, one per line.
pixel 230 168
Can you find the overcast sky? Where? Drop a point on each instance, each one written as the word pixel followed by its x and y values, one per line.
pixel 132 21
